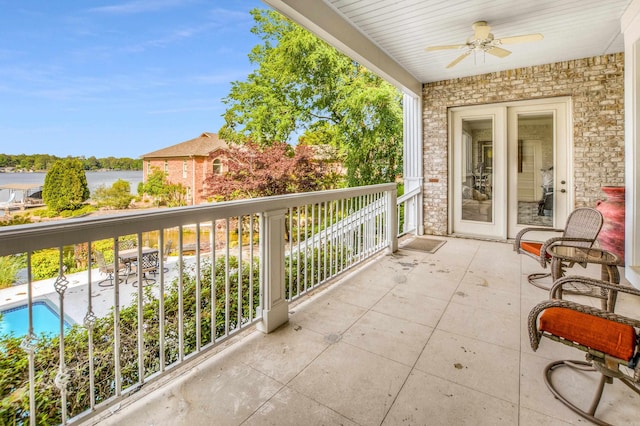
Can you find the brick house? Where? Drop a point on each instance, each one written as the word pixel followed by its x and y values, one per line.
pixel 188 163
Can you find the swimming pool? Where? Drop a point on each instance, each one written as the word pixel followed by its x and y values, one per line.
pixel 45 320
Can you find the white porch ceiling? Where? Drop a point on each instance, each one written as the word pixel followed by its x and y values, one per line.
pixel 399 31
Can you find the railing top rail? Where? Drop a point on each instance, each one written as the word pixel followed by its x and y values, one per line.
pixel 22 238
pixel 408 195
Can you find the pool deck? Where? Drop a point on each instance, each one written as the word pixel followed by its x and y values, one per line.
pixel 75 295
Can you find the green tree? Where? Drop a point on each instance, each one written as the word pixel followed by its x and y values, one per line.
pixel 118 196
pixel 304 86
pixel 65 185
pixel 162 191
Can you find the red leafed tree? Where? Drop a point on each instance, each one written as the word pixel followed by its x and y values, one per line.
pixel 254 171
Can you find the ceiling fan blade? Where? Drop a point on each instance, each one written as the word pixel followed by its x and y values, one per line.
pixel 498 51
pixel 519 39
pixel 458 59
pixel 445 47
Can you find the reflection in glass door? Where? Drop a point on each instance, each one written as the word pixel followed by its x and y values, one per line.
pixel 540 189
pixel 477 183
pixel 535 186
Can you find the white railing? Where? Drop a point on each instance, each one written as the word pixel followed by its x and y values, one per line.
pixel 407 205
pixel 230 265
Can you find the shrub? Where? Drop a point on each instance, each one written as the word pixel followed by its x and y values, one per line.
pixel 117 197
pixel 65 185
pixel 14 366
pixel 9 268
pixel 14 220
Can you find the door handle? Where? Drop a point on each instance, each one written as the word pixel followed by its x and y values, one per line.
pixel 563 190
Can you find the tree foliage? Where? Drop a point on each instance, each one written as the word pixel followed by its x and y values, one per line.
pixel 162 191
pixel 65 186
pixel 255 171
pixel 118 196
pixel 37 162
pixel 304 86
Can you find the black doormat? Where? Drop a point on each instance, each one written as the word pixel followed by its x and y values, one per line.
pixel 427 245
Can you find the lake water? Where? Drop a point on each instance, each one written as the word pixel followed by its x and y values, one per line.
pixel 94 180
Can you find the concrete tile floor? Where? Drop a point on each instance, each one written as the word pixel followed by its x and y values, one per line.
pixel 410 338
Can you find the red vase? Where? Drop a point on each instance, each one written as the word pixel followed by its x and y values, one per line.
pixel 611 237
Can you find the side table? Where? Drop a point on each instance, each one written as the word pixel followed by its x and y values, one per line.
pixel 564 255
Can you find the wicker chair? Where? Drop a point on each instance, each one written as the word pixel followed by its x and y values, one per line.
pixel 609 340
pixel 581 230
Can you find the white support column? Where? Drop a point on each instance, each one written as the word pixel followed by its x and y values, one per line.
pixel 630 25
pixel 412 167
pixel 275 309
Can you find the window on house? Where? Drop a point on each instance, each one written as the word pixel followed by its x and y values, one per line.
pixel 217 167
pixel 166 166
pixel 148 167
pixel 184 169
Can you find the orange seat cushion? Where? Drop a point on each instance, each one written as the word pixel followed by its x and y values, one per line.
pixel 533 248
pixel 610 337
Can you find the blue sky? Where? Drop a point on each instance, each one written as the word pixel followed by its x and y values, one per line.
pixel 117 78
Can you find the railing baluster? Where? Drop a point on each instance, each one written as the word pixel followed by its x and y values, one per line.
pixel 89 323
pixel 62 377
pixel 251 259
pixel 161 316
pixel 140 314
pixel 181 296
pixel 214 287
pixel 239 315
pixel 227 281
pixel 198 291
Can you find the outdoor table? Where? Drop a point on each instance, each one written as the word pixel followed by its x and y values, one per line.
pixel 565 254
pixel 149 262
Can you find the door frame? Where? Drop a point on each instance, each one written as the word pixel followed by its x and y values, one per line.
pixel 563 187
pixel 501 230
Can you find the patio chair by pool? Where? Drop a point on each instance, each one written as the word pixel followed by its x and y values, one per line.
pixel 609 340
pixel 165 255
pixel 147 265
pixel 581 230
pixel 106 268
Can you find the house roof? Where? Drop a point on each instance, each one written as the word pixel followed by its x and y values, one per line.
pixel 196 147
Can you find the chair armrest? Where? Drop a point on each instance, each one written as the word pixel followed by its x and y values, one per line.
pixel 520 235
pixel 554 293
pixel 532 323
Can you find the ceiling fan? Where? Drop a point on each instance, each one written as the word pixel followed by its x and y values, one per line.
pixel 483 41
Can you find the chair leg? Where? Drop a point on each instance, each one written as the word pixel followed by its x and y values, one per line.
pixel 109 278
pixel 582 366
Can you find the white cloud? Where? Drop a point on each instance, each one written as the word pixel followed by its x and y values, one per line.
pixel 138 6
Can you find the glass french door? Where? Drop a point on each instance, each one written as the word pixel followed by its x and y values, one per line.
pixel 509 168
pixel 479 172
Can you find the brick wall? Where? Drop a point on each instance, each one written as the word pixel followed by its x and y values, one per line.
pixel 197 168
pixel 596 88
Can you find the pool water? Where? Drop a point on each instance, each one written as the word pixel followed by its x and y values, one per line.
pixel 45 320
